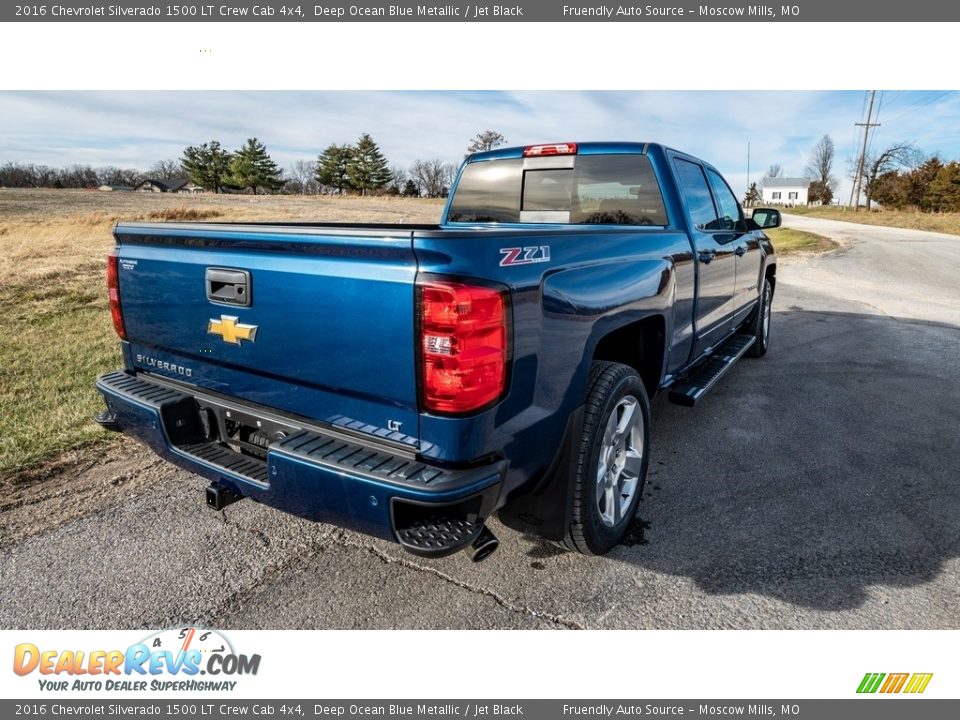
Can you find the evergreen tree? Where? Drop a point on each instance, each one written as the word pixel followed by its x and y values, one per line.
pixel 332 167
pixel 208 165
pixel 410 189
pixel 251 167
pixel 919 181
pixel 944 191
pixel 890 189
pixel 368 168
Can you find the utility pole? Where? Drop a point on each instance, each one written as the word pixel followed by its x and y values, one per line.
pixel 857 182
pixel 748 166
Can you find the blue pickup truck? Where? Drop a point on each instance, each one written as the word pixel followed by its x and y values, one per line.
pixel 409 381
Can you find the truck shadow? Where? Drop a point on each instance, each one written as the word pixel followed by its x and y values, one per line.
pixel 827 467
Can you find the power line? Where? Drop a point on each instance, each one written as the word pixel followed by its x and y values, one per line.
pixel 921 105
pixel 892 100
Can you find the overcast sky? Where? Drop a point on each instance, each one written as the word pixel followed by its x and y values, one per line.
pixel 135 129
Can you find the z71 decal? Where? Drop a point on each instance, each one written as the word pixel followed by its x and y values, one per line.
pixel 525 255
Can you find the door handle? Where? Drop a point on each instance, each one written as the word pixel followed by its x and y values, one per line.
pixel 705 256
pixel 740 251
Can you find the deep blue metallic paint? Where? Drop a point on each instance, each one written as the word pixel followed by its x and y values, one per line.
pixel 335 312
pixel 325 320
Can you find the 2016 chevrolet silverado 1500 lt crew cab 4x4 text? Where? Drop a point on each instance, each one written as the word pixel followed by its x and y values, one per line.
pixel 408 381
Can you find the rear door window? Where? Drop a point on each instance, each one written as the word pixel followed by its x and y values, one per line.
pixel 726 202
pixel 697 195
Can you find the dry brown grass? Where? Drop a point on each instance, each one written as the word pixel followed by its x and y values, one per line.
pixel 47 233
pixel 182 212
pixel 909 219
pixel 55 330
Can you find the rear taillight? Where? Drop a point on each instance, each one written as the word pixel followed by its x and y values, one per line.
pixel 464 346
pixel 113 287
pixel 554 149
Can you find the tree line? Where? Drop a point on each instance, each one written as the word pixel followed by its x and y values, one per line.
pixel 358 168
pixel 898 176
pixel 931 186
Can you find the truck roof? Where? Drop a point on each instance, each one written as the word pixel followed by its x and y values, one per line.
pixel 586 148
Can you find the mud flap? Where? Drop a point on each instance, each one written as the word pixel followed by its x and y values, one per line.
pixel 545 511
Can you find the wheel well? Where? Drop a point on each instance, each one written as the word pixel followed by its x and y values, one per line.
pixel 639 345
pixel 771 275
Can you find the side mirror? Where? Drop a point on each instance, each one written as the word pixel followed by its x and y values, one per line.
pixel 767 218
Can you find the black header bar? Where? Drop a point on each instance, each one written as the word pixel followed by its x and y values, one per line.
pixel 858 11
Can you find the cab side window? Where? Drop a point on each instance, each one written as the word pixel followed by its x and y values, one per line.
pixel 730 217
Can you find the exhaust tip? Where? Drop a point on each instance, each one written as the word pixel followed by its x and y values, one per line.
pixel 483 547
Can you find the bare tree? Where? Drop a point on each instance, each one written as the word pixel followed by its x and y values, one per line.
pixel 754 195
pixel 301 177
pixel 127 177
pixel 901 155
pixel 398 179
pixel 433 177
pixel 820 171
pixel 77 176
pixel 774 171
pixel 486 140
pixel 166 170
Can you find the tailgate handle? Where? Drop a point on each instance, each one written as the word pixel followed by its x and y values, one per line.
pixel 228 287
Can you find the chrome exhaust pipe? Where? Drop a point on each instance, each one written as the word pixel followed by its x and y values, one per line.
pixel 483 547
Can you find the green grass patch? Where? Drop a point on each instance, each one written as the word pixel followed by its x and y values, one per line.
pixel 907 219
pixel 787 241
pixel 55 337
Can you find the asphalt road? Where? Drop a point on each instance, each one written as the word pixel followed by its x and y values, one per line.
pixel 816 488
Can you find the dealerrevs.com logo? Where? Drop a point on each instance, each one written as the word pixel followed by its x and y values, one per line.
pixel 168 660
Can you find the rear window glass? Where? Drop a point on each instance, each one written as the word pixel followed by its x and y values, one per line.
pixel 598 189
pixel 488 192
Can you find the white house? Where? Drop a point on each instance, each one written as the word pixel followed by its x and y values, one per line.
pixel 785 191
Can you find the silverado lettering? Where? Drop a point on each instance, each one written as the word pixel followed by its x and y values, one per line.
pixel 622 270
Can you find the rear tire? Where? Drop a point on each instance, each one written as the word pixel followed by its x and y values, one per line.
pixel 760 325
pixel 611 460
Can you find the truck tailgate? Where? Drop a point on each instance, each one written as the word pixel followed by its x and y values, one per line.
pixel 314 321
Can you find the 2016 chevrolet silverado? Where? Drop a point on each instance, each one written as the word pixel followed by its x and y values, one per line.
pixel 408 381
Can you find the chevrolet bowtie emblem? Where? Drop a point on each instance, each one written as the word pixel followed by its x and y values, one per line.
pixel 232 331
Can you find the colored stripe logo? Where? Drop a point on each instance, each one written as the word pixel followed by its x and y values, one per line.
pixel 913 683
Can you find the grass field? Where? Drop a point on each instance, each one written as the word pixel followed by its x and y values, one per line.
pixel 787 241
pixel 55 329
pixel 910 219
